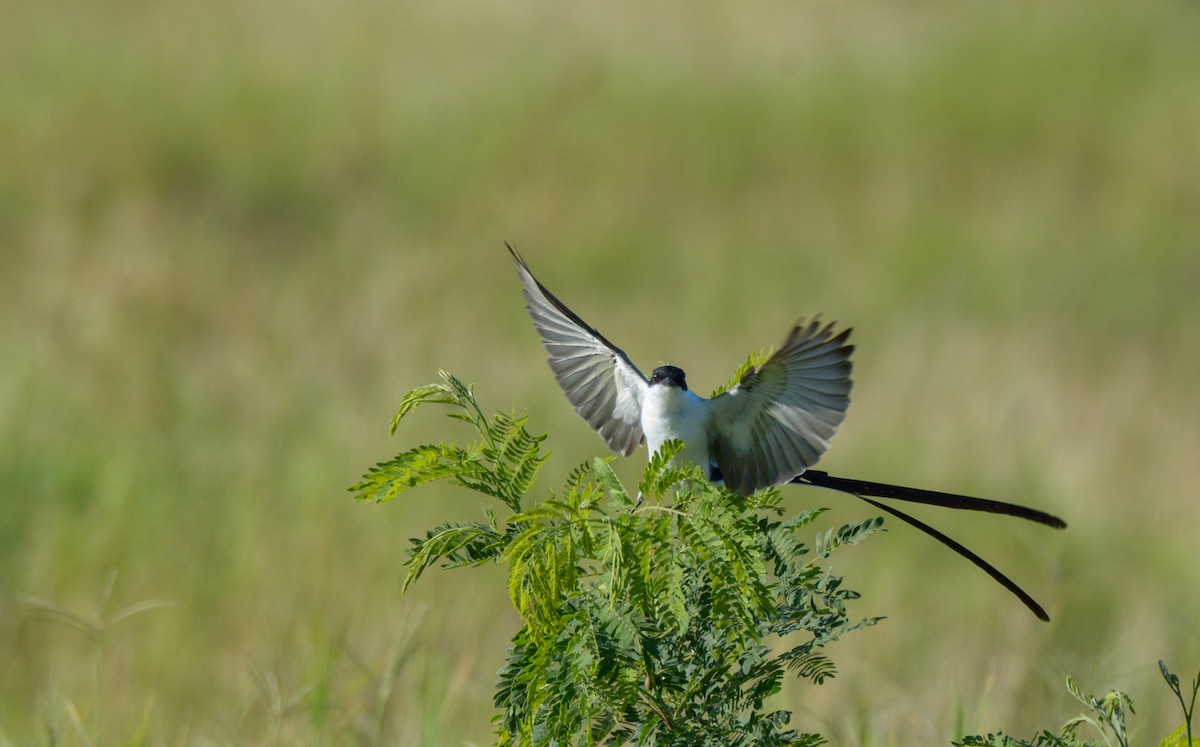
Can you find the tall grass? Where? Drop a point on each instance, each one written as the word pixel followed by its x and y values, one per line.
pixel 233 234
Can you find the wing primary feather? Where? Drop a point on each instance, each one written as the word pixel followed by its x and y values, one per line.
pixel 560 306
pixel 600 381
pixel 779 418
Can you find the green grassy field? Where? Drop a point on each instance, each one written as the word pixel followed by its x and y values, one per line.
pixel 233 234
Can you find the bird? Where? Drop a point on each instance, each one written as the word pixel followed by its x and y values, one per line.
pixel 769 429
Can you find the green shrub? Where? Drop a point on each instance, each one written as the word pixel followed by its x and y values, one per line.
pixel 668 618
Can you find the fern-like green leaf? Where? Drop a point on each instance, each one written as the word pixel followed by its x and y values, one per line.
pixel 661 474
pixel 417 466
pixel 847 534
pixel 612 484
pixel 674 572
pixel 457 544
pixel 753 361
pixel 436 393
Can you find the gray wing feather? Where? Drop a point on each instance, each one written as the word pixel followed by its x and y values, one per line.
pixel 777 421
pixel 598 378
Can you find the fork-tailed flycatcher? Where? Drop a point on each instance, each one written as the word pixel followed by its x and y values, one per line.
pixel 769 429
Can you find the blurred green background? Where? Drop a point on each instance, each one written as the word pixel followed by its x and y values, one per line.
pixel 233 234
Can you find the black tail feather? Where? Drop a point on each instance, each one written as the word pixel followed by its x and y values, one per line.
pixel 987 567
pixel 862 489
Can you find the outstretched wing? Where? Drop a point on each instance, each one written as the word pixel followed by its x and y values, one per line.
pixel 778 420
pixel 597 377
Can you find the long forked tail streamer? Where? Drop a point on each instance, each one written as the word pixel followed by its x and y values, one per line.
pixel 861 489
pixel 987 567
